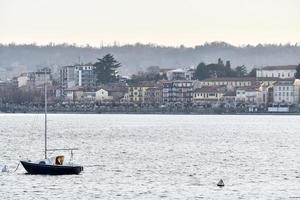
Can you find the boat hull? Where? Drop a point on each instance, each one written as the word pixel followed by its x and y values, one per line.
pixel 34 168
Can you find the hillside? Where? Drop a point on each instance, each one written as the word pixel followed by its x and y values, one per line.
pixel 19 58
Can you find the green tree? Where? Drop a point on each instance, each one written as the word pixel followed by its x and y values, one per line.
pixel 201 72
pixel 297 75
pixel 241 71
pixel 106 69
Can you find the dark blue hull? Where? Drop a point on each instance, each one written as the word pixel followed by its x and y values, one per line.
pixel 33 168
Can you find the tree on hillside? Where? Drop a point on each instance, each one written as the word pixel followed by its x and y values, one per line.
pixel 241 71
pixel 252 73
pixel 297 75
pixel 214 70
pixel 106 69
pixel 201 72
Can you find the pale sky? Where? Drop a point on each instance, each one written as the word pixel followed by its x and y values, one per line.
pixel 165 22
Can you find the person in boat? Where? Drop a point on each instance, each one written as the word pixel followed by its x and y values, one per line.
pixel 59 160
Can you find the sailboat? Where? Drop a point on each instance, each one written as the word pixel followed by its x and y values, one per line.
pixel 51 165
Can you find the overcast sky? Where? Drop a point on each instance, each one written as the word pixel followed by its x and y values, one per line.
pixel 166 22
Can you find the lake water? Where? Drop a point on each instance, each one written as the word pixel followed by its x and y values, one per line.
pixel 156 156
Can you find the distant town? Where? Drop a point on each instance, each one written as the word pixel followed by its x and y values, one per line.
pixel 215 88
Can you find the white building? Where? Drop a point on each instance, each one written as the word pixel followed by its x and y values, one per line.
pixel 208 93
pixel 297 91
pixel 103 95
pixel 181 74
pixel 283 72
pixel 26 79
pixel 283 92
pixel 247 94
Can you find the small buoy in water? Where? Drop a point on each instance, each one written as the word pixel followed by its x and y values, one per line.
pixel 4 168
pixel 221 183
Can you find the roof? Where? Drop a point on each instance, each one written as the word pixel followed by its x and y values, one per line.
pixel 165 70
pixel 178 70
pixel 208 89
pixel 297 82
pixel 153 88
pixel 231 79
pixel 284 82
pixel 279 67
pixel 249 88
pixel 177 81
pixel 143 84
pixel 230 94
pixel 268 78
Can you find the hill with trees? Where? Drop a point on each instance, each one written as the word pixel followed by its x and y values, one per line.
pixel 15 59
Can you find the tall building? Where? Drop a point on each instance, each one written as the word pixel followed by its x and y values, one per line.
pixel 177 91
pixel 85 75
pixel 67 77
pixel 77 75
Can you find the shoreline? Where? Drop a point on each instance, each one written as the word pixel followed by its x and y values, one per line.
pixel 156 113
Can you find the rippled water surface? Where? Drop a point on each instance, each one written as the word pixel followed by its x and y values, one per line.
pixel 156 156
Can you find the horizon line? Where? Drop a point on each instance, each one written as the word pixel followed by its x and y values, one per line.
pixel 118 44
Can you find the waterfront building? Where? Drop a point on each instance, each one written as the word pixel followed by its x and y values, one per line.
pixel 177 91
pixel 103 95
pixel 115 90
pixel 153 95
pixel 283 92
pixel 247 94
pixel 229 96
pixel 297 91
pixel 208 93
pixel 282 72
pixel 26 79
pixel 229 82
pixel 136 92
pixel 74 93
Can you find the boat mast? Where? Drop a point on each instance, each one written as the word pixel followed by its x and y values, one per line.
pixel 45 116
